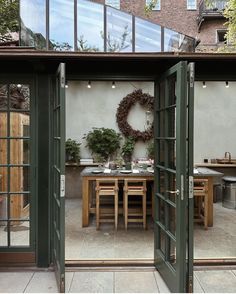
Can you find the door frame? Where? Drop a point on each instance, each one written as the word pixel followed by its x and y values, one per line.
pixel 123 79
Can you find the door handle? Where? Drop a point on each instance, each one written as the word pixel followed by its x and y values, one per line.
pixel 177 192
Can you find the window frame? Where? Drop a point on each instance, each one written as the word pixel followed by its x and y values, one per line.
pixel 189 7
pixel 217 37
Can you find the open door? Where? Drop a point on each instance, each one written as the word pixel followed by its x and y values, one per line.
pixel 58 177
pixel 173 226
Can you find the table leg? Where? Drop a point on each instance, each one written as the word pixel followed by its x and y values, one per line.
pixel 85 202
pixel 153 203
pixel 210 202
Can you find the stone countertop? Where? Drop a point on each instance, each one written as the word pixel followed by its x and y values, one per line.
pixel 88 171
pixel 200 171
pixel 214 165
pixel 207 172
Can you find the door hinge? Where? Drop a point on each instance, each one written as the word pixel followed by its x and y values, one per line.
pixel 191 75
pixel 190 186
pixel 62 284
pixel 182 187
pixel 62 185
pixel 63 76
pixel 190 284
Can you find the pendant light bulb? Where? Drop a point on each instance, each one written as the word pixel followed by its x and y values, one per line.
pixel 204 85
pixel 226 84
pixel 89 85
pixel 113 85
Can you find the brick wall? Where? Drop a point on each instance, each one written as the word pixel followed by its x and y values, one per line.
pixel 176 16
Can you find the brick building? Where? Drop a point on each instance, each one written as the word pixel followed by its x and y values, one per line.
pixel 200 19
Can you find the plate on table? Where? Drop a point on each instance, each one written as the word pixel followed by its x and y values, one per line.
pixel 150 170
pixel 97 171
pixel 126 171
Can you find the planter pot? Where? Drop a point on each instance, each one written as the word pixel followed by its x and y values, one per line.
pixel 128 165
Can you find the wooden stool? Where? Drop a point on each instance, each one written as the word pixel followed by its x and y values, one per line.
pixel 105 188
pixel 132 188
pixel 201 201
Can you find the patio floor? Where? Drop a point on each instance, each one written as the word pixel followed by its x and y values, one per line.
pixel 106 243
pixel 141 281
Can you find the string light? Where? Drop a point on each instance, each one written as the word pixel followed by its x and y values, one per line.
pixel 226 84
pixel 204 84
pixel 89 85
pixel 113 85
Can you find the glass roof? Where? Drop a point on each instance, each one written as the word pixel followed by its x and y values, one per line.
pixel 83 25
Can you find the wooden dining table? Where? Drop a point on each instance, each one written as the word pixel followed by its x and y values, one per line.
pixel 89 176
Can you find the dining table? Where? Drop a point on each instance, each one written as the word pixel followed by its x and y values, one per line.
pixel 90 174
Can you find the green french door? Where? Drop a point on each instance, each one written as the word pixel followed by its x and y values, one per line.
pixel 58 177
pixel 173 225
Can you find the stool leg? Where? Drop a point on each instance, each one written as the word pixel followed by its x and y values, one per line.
pixel 116 209
pixel 144 211
pixel 126 209
pixel 206 212
pixel 97 210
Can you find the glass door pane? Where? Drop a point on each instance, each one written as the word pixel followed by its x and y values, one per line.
pixel 171 178
pixel 16 159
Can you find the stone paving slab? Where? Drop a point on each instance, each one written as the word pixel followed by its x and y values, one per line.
pixel 217 281
pixel 160 283
pixel 44 282
pixel 14 282
pixel 135 282
pixel 92 282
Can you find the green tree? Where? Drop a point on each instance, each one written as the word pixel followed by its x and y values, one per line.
pixel 230 14
pixel 9 19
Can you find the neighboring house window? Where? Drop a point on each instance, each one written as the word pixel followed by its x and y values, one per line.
pixel 113 3
pixel 157 6
pixel 191 4
pixel 220 36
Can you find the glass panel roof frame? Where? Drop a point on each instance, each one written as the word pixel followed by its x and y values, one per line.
pixel 187 38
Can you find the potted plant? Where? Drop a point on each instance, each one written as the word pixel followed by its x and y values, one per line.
pixel 150 150
pixel 127 151
pixel 103 142
pixel 72 151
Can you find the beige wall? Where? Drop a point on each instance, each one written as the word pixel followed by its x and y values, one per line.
pixel 215 120
pixel 96 107
pixel 214 114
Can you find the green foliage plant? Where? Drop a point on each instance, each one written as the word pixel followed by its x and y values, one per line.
pixel 72 150
pixel 128 148
pixel 104 142
pixel 149 7
pixel 150 150
pixel 230 14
